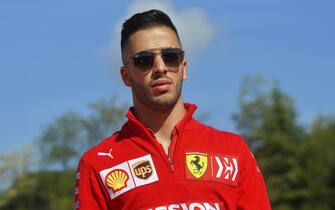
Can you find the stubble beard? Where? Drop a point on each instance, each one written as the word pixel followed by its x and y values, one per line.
pixel 159 103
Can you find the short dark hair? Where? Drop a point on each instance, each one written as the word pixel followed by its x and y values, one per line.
pixel 145 20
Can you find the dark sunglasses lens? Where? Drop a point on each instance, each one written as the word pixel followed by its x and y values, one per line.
pixel 144 60
pixel 172 57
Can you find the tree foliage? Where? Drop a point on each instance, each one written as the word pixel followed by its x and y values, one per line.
pixel 16 163
pixel 60 144
pixel 64 140
pixel 61 140
pixel 106 117
pixel 285 151
pixel 44 190
pixel 319 164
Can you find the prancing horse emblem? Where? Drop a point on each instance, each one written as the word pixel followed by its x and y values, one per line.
pixel 196 164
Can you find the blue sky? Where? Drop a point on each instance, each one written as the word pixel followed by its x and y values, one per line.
pixel 61 55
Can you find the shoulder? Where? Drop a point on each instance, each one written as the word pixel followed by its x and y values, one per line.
pixel 104 148
pixel 213 132
pixel 216 138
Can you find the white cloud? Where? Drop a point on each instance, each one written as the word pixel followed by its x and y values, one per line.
pixel 194 28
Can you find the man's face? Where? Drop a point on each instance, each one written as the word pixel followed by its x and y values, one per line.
pixel 159 87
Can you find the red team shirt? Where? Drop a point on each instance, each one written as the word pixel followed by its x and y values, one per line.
pixel 205 169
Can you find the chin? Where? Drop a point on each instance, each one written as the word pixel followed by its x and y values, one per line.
pixel 165 103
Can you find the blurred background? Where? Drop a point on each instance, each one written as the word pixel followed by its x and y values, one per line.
pixel 264 69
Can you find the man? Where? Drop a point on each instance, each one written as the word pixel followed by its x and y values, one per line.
pixel 163 158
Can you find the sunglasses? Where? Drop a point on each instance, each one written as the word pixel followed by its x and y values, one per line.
pixel 172 57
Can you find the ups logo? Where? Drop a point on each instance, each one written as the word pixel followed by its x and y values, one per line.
pixel 142 169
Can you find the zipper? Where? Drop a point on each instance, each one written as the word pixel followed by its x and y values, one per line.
pixel 169 156
pixel 172 148
pixel 171 164
pixel 161 150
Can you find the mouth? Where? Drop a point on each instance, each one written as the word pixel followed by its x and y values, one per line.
pixel 161 85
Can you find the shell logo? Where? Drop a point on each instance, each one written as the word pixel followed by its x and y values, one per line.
pixel 117 179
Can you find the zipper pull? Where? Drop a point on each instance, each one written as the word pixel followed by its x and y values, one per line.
pixel 171 164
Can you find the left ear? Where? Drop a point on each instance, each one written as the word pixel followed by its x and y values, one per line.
pixel 184 65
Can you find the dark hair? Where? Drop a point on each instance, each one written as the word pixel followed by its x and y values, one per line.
pixel 145 20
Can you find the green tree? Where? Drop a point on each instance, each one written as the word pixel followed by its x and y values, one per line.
pixel 106 118
pixel 61 144
pixel 16 163
pixel 64 140
pixel 319 165
pixel 267 119
pixel 60 141
pixel 44 190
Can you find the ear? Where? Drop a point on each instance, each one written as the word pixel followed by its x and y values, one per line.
pixel 184 65
pixel 125 76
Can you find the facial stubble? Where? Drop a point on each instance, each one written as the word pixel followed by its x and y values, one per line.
pixel 160 103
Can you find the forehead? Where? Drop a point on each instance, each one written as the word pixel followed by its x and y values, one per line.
pixel 152 38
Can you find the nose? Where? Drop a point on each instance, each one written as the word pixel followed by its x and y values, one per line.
pixel 159 65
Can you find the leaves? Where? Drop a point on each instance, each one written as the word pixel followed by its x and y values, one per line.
pixel 65 139
pixel 40 191
pixel 298 164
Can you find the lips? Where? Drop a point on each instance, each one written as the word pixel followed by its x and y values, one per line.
pixel 161 85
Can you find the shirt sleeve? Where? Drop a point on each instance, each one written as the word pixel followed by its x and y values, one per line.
pixel 252 193
pixel 88 193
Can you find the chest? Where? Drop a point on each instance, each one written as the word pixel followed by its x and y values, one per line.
pixel 195 175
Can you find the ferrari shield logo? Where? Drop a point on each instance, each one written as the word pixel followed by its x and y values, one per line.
pixel 196 164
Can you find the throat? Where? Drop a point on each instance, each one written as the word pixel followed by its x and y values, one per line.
pixel 165 144
pixel 168 140
pixel 164 137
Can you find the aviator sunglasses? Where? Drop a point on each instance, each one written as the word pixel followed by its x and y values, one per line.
pixel 172 57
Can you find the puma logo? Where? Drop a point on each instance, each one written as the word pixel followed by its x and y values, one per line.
pixel 109 154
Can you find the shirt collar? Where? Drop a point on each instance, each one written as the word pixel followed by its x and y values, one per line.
pixel 133 122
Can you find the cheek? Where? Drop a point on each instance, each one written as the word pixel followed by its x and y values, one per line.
pixel 179 78
pixel 136 77
pixel 138 81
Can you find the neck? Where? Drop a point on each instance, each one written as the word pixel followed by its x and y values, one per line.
pixel 161 122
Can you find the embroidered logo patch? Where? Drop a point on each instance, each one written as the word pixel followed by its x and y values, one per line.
pixel 225 168
pixel 128 175
pixel 117 180
pixel 142 169
pixel 196 164
pixel 207 167
pixel 109 154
